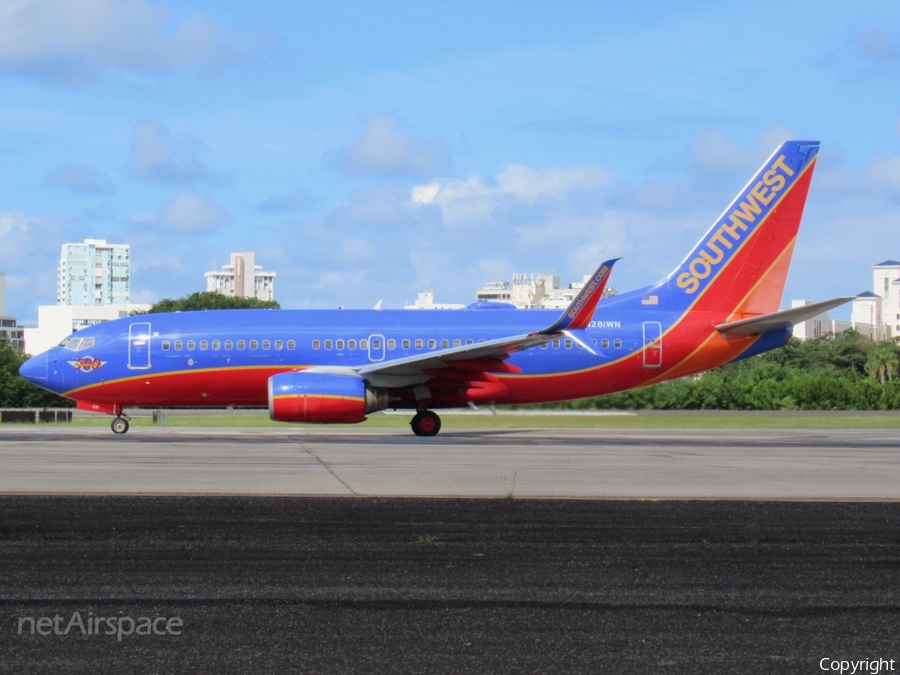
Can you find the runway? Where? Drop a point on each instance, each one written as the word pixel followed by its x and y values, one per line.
pixel 766 464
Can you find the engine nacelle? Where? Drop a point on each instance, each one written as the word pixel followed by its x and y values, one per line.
pixel 323 398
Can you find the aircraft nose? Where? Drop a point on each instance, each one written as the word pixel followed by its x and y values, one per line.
pixel 35 369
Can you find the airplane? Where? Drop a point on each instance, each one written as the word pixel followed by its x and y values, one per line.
pixel 719 305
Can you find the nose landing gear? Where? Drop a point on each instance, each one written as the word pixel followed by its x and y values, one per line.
pixel 426 423
pixel 119 425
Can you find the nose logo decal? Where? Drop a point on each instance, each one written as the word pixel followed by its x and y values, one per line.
pixel 87 364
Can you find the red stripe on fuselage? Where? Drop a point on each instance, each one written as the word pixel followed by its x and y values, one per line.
pixel 185 389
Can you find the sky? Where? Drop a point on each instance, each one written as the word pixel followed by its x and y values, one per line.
pixel 371 151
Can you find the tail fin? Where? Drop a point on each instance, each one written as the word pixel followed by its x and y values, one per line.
pixel 741 263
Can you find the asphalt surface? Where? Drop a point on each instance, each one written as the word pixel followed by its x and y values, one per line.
pixel 351 585
pixel 831 464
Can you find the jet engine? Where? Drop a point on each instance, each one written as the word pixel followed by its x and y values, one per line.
pixel 324 398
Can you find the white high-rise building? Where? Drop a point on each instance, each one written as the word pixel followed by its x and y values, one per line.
pixel 887 285
pixel 242 278
pixel 94 273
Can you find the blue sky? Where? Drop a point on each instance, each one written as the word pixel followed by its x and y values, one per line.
pixel 370 151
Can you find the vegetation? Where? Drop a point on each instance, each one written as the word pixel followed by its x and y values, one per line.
pixel 15 391
pixel 844 372
pixel 210 300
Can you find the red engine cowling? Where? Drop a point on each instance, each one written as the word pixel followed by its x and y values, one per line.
pixel 323 398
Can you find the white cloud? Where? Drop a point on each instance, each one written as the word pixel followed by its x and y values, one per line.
pixel 77 40
pixel 878 47
pixel 714 154
pixel 13 220
pixel 292 201
pixel 188 213
pixel 885 172
pixel 159 156
pixel 29 253
pixel 80 178
pixel 384 149
pixel 470 202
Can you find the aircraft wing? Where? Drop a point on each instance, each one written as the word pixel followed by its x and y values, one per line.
pixel 489 356
pixel 782 319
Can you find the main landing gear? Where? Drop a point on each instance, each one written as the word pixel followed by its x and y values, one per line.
pixel 119 425
pixel 426 423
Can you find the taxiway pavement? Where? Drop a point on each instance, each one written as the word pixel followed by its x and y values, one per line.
pixel 767 464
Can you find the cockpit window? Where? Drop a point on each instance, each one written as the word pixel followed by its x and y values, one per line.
pixel 77 344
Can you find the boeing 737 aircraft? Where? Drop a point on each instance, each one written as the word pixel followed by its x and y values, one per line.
pixel 720 304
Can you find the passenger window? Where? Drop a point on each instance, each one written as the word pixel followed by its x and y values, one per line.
pixel 445 344
pixel 291 344
pixel 406 344
pixel 556 344
pixel 432 344
pixel 363 344
pixel 178 345
pixel 242 344
pixel 392 344
pixel 604 343
pixel 568 343
pixel 456 343
pixel 351 344
pixel 419 344
pixel 166 345
pixel 267 345
pixel 229 344
pixel 216 344
pixel 327 344
pixel 191 345
pixel 544 345
pixel 279 344
pixel 617 343
pixel 203 345
pixel 468 342
pixel 339 345
pixel 376 344
pixel 481 339
pixel 254 344
pixel 316 344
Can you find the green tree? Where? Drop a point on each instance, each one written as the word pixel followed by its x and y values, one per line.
pixel 210 300
pixel 882 362
pixel 15 391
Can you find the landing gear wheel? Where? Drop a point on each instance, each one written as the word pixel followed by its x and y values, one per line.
pixel 119 425
pixel 426 423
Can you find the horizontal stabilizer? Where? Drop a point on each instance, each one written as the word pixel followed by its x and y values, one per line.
pixel 783 319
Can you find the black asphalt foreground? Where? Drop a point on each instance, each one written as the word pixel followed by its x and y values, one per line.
pixel 340 585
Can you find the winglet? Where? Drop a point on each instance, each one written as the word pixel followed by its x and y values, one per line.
pixel 579 313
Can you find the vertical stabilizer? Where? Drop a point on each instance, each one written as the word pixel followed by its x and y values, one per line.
pixel 740 264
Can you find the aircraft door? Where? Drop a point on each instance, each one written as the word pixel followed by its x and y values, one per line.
pixel 139 346
pixel 376 347
pixel 652 344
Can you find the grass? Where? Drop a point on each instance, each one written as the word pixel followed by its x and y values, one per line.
pixel 641 420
